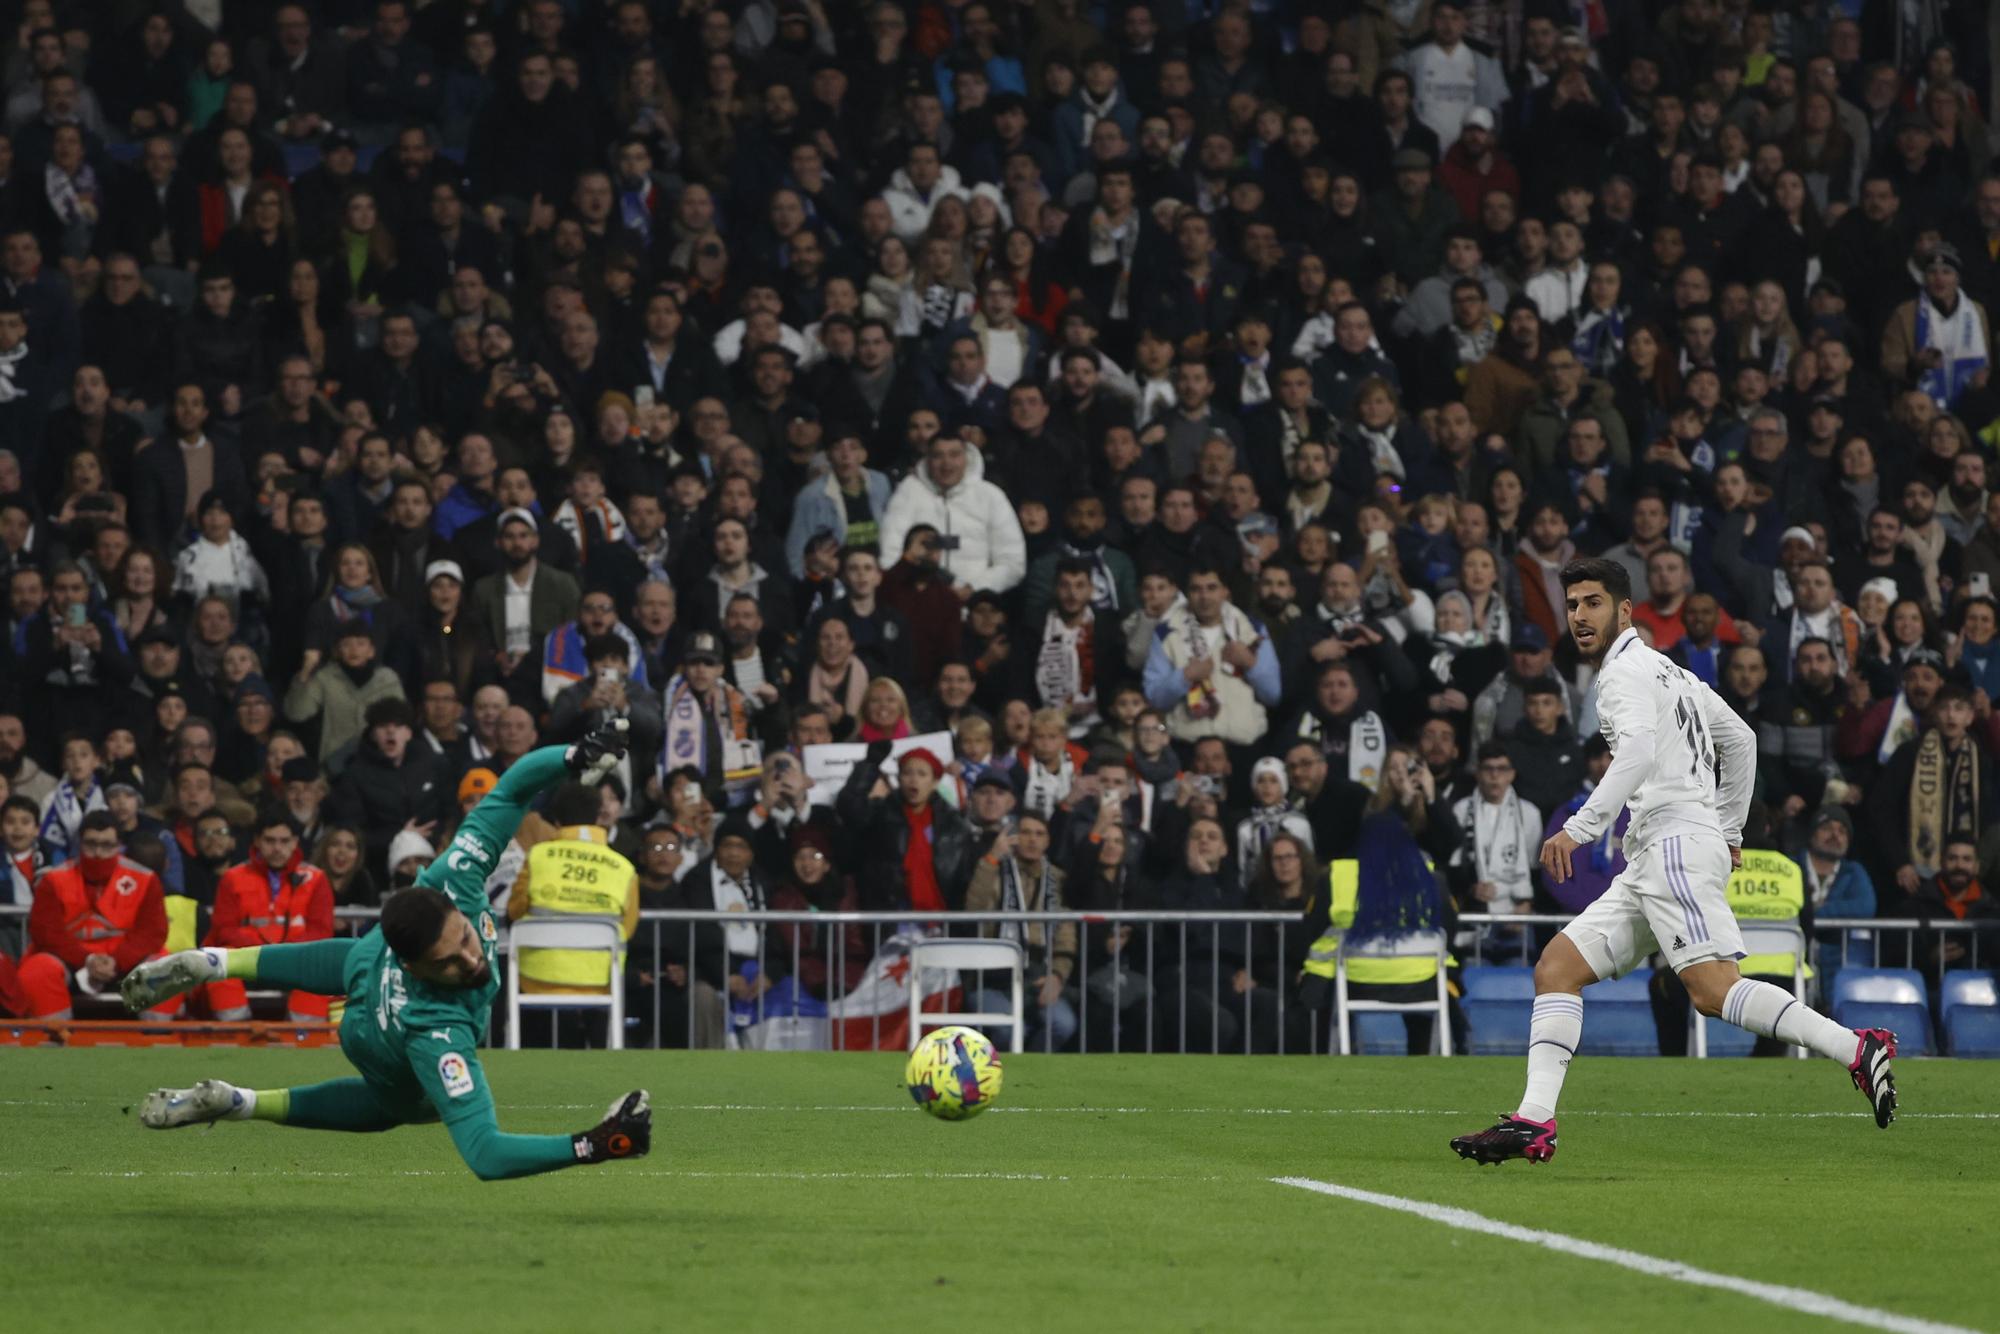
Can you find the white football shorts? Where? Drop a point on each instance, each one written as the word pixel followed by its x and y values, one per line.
pixel 1672 899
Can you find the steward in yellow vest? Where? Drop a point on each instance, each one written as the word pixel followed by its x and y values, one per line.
pixel 573 874
pixel 1768 888
pixel 1337 902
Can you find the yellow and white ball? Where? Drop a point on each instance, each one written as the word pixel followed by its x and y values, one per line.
pixel 954 1073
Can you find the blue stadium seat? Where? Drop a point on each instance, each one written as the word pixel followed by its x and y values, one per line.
pixel 1970 1003
pixel 1891 998
pixel 1498 1003
pixel 1618 1017
pixel 1725 1039
pixel 1379 1034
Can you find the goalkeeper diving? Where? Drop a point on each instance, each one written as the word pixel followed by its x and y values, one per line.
pixel 419 990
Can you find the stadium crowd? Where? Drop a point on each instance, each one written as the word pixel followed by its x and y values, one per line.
pixel 1181 409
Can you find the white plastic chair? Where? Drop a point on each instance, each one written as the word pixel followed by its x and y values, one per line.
pixel 967 956
pixel 603 935
pixel 1408 945
pixel 1763 938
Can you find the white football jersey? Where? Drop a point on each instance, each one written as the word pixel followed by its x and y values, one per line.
pixel 1668 734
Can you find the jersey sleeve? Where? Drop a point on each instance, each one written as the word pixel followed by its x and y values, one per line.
pixel 1736 748
pixel 1625 712
pixel 446 1062
pixel 477 847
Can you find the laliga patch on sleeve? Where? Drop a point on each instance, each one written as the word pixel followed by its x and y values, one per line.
pixel 455 1074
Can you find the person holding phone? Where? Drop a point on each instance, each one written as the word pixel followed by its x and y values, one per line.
pixel 74 662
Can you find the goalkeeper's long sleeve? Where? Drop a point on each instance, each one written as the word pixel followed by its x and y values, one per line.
pixel 463 866
pixel 446 1063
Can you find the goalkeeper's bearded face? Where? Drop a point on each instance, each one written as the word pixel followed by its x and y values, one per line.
pixel 456 959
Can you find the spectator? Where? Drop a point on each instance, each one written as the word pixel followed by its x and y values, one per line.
pixel 340 692
pixel 274 898
pixel 515 609
pixel 93 921
pixel 1211 668
pixel 915 851
pixel 392 786
pixel 1909 826
pixel 980 539
pixel 1015 875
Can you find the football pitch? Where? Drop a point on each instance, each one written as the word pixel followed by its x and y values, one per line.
pixel 792 1191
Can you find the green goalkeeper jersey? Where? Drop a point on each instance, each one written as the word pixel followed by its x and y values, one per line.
pixel 417 1042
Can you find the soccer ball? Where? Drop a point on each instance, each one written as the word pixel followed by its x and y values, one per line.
pixel 954 1073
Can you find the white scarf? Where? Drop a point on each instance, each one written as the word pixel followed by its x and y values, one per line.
pixel 1095 110
pixel 10 366
pixel 1961 340
pixel 1046 788
pixel 1367 744
pixel 1447 644
pixel 63 816
pixel 734 896
pixel 1498 624
pixel 1061 674
pixel 1902 727
pixel 1501 839
pixel 1382 451
pixel 1255 831
pixel 1014 898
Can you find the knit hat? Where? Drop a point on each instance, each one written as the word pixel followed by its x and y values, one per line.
pixel 409 843
pixel 1883 585
pixel 926 756
pixel 1270 764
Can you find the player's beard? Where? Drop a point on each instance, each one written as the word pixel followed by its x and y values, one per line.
pixel 1601 638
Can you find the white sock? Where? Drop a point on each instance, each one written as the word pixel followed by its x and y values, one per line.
pixel 217 960
pixel 1553 1033
pixel 246 1105
pixel 1773 1012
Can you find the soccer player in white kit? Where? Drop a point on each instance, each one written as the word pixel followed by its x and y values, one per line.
pixel 1669 733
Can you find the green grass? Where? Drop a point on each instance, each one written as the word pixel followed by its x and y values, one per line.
pixel 1126 1193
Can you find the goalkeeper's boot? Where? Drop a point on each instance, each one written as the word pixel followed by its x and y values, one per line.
pixel 1871 1073
pixel 594 757
pixel 170 1109
pixel 625 1132
pixel 151 984
pixel 1509 1137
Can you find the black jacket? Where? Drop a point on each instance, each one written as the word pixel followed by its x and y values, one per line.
pixel 379 797
pixel 159 499
pixel 879 836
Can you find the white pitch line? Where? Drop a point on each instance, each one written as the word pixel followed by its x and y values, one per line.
pixel 1777 1294
pixel 214 1173
pixel 895 1107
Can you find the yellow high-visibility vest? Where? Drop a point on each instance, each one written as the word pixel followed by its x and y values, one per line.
pixel 1344 885
pixel 1768 887
pixel 574 876
pixel 182 915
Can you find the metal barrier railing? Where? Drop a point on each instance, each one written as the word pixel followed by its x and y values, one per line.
pixel 1197 988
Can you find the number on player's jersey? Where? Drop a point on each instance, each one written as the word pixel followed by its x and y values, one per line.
pixel 1699 746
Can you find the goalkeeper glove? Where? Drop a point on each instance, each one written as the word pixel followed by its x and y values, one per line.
pixel 625 1132
pixel 599 752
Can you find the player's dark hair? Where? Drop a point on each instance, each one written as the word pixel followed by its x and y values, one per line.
pixel 412 921
pixel 572 804
pixel 1615 578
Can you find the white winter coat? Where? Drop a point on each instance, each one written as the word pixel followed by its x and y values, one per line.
pixel 910 211
pixel 991 554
